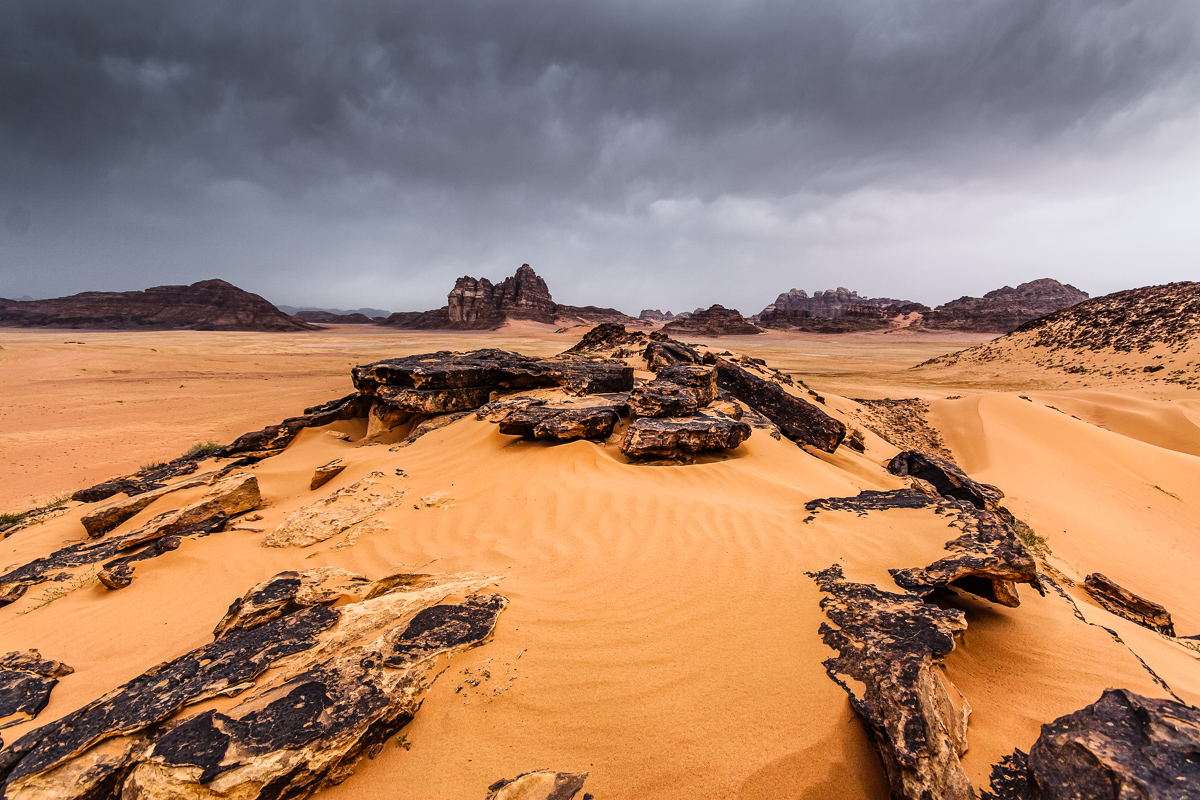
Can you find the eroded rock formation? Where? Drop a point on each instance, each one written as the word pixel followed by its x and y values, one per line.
pixel 1005 309
pixel 1124 603
pixel 342 680
pixel 274 438
pixel 946 478
pixel 1123 746
pixel 798 419
pixel 26 680
pixel 668 437
pixel 556 422
pixel 539 785
pixel 713 321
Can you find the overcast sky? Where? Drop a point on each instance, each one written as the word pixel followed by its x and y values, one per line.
pixel 638 154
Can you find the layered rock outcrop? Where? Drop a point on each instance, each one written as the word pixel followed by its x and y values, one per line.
pixel 828 304
pixel 713 321
pixel 26 681
pixel 1124 603
pixel 212 305
pixel 1004 310
pixel 797 419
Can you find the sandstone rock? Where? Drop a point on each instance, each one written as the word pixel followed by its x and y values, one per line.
pixel 501 407
pixel 714 321
pixel 229 496
pixel 26 680
pixel 105 518
pixel 1124 603
pixel 550 422
pixel 702 378
pixel 607 337
pixel 342 680
pixel 118 573
pixel 827 304
pixel 654 315
pixel 659 354
pixel 118 576
pixel 288 592
pixel 726 407
pixel 946 477
pixel 798 419
pixel 334 514
pixel 384 417
pixel 212 305
pixel 539 785
pixel 1006 309
pixel 274 438
pixel 889 647
pixel 1123 746
pixel 433 401
pixel 660 398
pixel 325 473
pixel 429 426
pixel 675 438
pixel 494 369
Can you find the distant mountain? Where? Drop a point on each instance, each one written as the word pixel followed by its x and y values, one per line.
pixel 1152 333
pixel 654 315
pixel 828 304
pixel 329 318
pixel 366 312
pixel 476 304
pixel 1003 310
pixel 716 320
pixel 213 305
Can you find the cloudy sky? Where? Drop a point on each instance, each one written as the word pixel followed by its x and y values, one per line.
pixel 638 154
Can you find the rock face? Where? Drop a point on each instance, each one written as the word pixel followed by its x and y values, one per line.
pixel 539 785
pixel 889 646
pixel 676 437
pixel 213 305
pixel 654 315
pixel 549 422
pixel 946 478
pixel 342 681
pixel 1124 603
pixel 797 419
pixel 714 321
pixel 1005 309
pixel 26 680
pixel 274 438
pixel 1122 746
pixel 828 304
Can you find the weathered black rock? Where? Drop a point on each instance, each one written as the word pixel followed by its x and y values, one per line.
pixel 341 683
pixel 702 378
pixel 1121 747
pixel 946 477
pixel 1124 603
pixel 799 420
pixel 289 592
pixel 661 398
pixel 275 438
pixel 607 337
pixel 667 353
pixel 550 422
pixel 668 437
pixel 888 647
pixel 26 680
pixel 870 500
pixel 494 369
pixel 433 401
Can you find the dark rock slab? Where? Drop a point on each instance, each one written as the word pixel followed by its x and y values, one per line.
pixel 325 473
pixel 607 337
pixel 275 438
pixel 946 477
pixel 349 681
pixel 889 646
pixel 702 378
pixel 1124 603
pixel 667 352
pixel 433 401
pixel 494 369
pixel 288 592
pixel 108 517
pixel 661 398
pixel 1121 747
pixel 539 785
pixel 26 680
pixel 668 437
pixel 797 419
pixel 552 422
pixel 118 573
pixel 867 501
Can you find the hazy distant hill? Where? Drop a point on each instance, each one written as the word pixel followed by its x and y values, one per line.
pixel 212 305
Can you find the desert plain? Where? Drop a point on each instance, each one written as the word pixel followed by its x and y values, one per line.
pixel 661 632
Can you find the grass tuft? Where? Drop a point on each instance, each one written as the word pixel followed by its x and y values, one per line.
pixel 203 450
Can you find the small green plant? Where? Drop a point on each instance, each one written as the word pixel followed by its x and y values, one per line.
pixel 203 450
pixel 150 466
pixel 63 589
pixel 403 741
pixel 11 519
pixel 1030 538
pixel 7 520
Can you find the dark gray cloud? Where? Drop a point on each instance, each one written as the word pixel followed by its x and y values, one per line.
pixel 676 153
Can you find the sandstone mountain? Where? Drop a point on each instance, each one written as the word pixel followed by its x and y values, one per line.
pixel 713 321
pixel 1003 310
pixel 1152 333
pixel 212 305
pixel 828 304
pixel 654 315
pixel 331 318
pixel 476 304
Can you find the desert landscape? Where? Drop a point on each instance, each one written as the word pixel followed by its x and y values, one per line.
pixel 626 565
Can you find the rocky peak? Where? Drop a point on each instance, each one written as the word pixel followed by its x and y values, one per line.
pixel 477 303
pixel 713 321
pixel 828 303
pixel 1005 309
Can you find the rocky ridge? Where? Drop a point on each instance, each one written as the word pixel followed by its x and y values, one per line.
pixel 713 321
pixel 212 305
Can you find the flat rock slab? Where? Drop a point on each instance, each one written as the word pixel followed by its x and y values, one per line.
pixel 275 438
pixel 108 517
pixel 797 419
pixel 491 368
pixel 659 354
pixel 433 401
pixel 538 785
pixel 1124 603
pixel 677 437
pixel 556 422
pixel 341 681
pixel 946 478
pixel 325 473
pixel 26 680
pixel 888 646
pixel 662 398
pixel 1122 746
pixel 340 511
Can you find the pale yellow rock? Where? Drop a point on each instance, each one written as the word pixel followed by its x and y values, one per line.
pixel 231 495
pixel 338 512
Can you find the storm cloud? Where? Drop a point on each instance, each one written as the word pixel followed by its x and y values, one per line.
pixel 664 154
